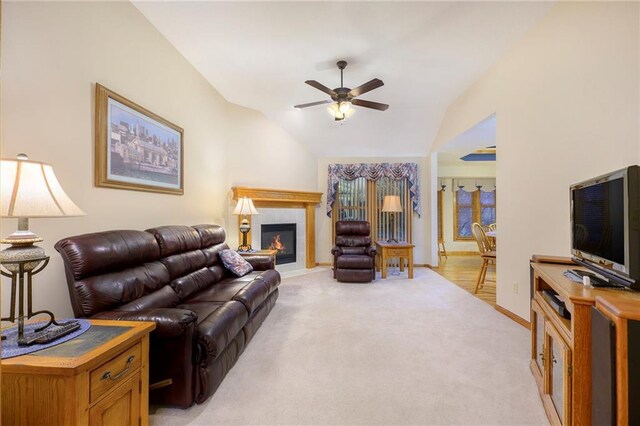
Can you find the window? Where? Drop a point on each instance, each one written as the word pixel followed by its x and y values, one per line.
pixel 352 199
pixel 360 199
pixel 472 207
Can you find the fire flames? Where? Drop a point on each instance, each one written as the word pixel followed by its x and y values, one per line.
pixel 276 244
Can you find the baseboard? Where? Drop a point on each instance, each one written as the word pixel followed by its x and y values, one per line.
pixel 461 253
pixel 415 265
pixel 523 322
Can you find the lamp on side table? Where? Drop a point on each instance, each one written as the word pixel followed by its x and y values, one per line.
pixel 28 189
pixel 392 205
pixel 245 208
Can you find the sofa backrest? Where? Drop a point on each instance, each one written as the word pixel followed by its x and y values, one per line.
pixel 138 270
pixel 353 233
pixel 108 269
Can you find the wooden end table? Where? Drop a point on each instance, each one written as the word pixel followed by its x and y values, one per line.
pixel 264 252
pixel 99 377
pixel 401 250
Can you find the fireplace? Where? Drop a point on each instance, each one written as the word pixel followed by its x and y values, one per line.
pixel 281 237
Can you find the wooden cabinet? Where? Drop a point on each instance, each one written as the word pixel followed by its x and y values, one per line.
pixel 99 378
pixel 616 361
pixel 561 347
pixel 558 374
pixel 120 407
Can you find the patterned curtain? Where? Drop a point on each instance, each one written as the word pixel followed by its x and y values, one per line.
pixel 375 171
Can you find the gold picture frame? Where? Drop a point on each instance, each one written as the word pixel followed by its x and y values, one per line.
pixel 136 149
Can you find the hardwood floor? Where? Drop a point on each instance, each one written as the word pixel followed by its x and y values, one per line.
pixel 463 271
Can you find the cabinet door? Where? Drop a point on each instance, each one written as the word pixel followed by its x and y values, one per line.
pixel 537 338
pixel 559 374
pixel 121 407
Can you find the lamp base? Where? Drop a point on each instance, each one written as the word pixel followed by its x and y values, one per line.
pixel 244 248
pixel 19 253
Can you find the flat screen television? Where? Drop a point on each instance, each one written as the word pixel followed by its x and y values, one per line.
pixel 605 225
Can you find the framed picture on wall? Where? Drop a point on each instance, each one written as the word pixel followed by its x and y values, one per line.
pixel 135 148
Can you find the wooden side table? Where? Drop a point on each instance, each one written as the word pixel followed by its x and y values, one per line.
pixel 100 377
pixel 401 250
pixel 264 252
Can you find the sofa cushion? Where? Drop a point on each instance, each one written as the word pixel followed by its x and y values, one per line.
pixel 218 329
pixel 271 278
pixel 192 283
pixel 249 293
pixel 110 290
pixel 102 252
pixel 175 239
pixel 354 261
pixel 235 263
pixel 184 263
pixel 210 234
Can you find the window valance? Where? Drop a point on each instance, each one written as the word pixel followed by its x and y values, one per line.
pixel 373 171
pixel 472 184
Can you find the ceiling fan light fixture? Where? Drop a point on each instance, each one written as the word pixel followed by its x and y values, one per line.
pixel 344 107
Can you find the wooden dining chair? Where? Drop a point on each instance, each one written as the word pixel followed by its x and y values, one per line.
pixel 487 253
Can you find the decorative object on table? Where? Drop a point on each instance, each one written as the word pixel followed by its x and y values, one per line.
pixel 235 263
pixel 11 348
pixel 392 205
pixel 135 148
pixel 245 208
pixel 29 189
pixel 343 98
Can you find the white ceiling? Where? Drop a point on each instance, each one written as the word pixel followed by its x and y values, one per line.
pixel 258 54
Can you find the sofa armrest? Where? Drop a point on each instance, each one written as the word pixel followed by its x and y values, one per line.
pixel 336 250
pixel 170 322
pixel 260 262
pixel 372 251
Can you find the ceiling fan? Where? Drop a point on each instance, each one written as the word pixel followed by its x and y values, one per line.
pixel 344 98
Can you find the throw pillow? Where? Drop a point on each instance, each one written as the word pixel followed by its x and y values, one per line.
pixel 235 263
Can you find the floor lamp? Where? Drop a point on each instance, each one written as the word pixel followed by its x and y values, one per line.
pixel 245 208
pixel 392 206
pixel 28 189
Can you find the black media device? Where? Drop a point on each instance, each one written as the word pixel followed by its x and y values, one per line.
pixel 605 226
pixel 558 305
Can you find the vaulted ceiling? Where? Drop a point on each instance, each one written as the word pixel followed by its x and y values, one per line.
pixel 258 55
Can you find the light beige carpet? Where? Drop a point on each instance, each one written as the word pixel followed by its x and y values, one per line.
pixel 397 351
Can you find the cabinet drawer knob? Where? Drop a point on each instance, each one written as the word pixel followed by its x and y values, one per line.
pixel 127 366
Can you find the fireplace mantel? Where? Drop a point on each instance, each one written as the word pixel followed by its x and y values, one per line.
pixel 287 199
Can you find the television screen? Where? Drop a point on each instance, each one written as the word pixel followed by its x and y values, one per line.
pixel 598 220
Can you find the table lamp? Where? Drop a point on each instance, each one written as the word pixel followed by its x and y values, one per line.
pixel 392 205
pixel 245 208
pixel 28 189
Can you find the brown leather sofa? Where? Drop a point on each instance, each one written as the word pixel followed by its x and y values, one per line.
pixel 172 275
pixel 353 255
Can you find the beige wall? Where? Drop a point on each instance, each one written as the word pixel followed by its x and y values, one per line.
pixel 567 102
pixel 53 53
pixel 421 225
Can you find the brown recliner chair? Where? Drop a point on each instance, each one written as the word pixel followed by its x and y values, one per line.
pixel 353 255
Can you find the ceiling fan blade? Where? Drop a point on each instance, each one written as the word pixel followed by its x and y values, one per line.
pixel 321 87
pixel 310 104
pixel 367 87
pixel 369 104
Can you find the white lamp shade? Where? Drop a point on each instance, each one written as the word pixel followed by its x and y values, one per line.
pixel 245 207
pixel 391 204
pixel 31 189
